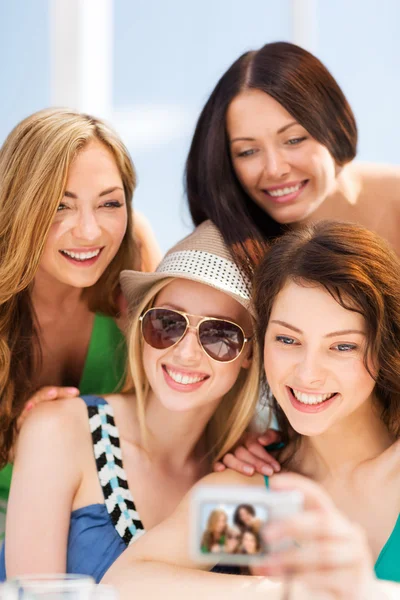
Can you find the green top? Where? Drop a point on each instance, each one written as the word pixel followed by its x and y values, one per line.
pixel 104 368
pixel 387 565
pixel 103 373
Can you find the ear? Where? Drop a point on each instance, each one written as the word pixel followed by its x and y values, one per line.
pixel 249 358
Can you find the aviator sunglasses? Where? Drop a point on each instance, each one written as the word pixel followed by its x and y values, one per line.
pixel 220 339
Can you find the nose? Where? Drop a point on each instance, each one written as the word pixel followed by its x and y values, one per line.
pixel 276 165
pixel 188 350
pixel 309 371
pixel 86 226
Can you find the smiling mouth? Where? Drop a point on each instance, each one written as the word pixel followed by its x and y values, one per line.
pixel 285 191
pixel 311 398
pixel 81 256
pixel 184 378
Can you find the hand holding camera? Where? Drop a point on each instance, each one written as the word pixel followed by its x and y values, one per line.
pixel 292 531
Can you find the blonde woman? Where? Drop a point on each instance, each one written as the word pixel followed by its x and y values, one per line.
pixel 101 471
pixel 216 533
pixel 66 232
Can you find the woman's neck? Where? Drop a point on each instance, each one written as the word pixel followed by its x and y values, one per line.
pixel 357 439
pixel 177 438
pixel 343 201
pixel 50 298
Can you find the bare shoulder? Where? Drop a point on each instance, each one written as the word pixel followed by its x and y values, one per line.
pixel 388 465
pixel 147 242
pixel 55 423
pixel 231 477
pixel 380 178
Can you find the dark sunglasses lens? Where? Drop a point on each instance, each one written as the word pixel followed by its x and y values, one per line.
pixel 221 340
pixel 162 328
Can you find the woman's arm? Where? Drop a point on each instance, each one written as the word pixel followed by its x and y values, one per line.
pixel 333 562
pixel 46 476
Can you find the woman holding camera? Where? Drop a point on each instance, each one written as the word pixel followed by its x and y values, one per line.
pixel 328 306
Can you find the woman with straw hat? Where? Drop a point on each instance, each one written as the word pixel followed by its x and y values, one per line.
pixel 191 389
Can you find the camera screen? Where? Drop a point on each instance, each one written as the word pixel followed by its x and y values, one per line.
pixel 231 528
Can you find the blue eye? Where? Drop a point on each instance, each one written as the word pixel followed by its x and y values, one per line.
pixel 288 341
pixel 246 153
pixel 295 141
pixel 112 204
pixel 346 347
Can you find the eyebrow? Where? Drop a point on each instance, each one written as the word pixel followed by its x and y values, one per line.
pixel 103 193
pixel 250 139
pixel 328 335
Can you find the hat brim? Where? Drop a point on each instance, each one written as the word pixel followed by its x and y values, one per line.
pixel 136 284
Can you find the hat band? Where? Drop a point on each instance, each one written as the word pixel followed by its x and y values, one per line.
pixel 209 268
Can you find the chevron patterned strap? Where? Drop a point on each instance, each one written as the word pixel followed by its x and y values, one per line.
pixel 112 477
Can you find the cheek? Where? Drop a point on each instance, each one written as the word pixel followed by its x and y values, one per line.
pixel 275 363
pixel 247 171
pixel 118 225
pixel 52 244
pixel 358 379
pixel 323 165
pixel 149 359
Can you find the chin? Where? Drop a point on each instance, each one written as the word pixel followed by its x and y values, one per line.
pixel 286 217
pixel 307 430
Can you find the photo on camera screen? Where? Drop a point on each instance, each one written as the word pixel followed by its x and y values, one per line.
pixel 227 522
pixel 232 528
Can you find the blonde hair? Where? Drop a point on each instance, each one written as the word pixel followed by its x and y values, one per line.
pixel 34 164
pixel 236 408
pixel 208 538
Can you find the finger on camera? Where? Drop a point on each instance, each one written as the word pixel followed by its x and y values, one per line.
pixel 235 464
pixel 315 497
pixel 306 526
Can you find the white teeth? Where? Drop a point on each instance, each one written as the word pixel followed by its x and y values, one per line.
pixel 81 255
pixel 311 398
pixel 183 379
pixel 284 191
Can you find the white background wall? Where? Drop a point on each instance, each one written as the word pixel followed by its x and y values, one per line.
pixel 166 57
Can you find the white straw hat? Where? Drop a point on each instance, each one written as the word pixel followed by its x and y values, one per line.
pixel 202 256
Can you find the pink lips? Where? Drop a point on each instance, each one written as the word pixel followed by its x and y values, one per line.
pixel 310 408
pixel 288 197
pixel 83 263
pixel 181 387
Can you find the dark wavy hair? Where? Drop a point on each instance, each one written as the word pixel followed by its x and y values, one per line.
pixel 236 515
pixel 305 88
pixel 362 273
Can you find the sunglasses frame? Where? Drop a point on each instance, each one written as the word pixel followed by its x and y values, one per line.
pixel 196 327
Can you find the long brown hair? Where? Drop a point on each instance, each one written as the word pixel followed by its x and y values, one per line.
pixel 306 89
pixel 34 164
pixel 208 539
pixel 362 273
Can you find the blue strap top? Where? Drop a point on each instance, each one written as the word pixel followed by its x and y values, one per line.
pixel 387 565
pixel 99 533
